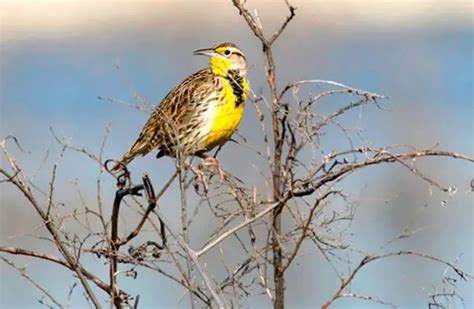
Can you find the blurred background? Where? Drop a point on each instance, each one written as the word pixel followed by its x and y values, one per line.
pixel 57 57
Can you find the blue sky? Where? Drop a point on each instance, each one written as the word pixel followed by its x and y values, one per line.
pixel 54 67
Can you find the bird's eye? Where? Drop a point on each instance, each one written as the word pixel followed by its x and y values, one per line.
pixel 227 52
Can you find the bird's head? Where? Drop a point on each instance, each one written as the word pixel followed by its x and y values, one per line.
pixel 225 57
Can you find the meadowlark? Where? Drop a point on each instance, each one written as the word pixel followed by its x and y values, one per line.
pixel 202 112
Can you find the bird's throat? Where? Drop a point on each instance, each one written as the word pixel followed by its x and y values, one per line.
pixel 220 66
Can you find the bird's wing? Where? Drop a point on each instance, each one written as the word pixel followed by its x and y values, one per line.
pixel 177 111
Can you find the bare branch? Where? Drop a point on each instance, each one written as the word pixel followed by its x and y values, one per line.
pixel 233 230
pixel 21 183
pixel 292 10
pixel 368 259
pixel 36 285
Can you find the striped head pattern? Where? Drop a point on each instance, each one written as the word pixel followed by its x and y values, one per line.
pixel 225 58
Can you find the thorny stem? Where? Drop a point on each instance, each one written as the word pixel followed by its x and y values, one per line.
pixel 345 282
pixel 19 251
pixel 114 241
pixel 284 189
pixel 23 273
pixel 21 183
pixel 233 230
pixel 278 139
pixel 193 256
pixel 184 222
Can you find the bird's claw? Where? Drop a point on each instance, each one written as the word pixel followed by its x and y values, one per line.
pixel 214 163
pixel 199 177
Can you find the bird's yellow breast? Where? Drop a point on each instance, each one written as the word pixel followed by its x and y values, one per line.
pixel 227 113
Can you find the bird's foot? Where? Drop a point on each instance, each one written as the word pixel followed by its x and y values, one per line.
pixel 199 176
pixel 214 163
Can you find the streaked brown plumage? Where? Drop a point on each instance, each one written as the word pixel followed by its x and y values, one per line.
pixel 201 112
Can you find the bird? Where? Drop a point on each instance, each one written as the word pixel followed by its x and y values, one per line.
pixel 200 113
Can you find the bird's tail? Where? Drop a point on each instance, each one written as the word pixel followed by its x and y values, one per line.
pixel 141 147
pixel 127 158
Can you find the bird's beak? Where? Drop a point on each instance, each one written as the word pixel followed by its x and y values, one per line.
pixel 206 52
